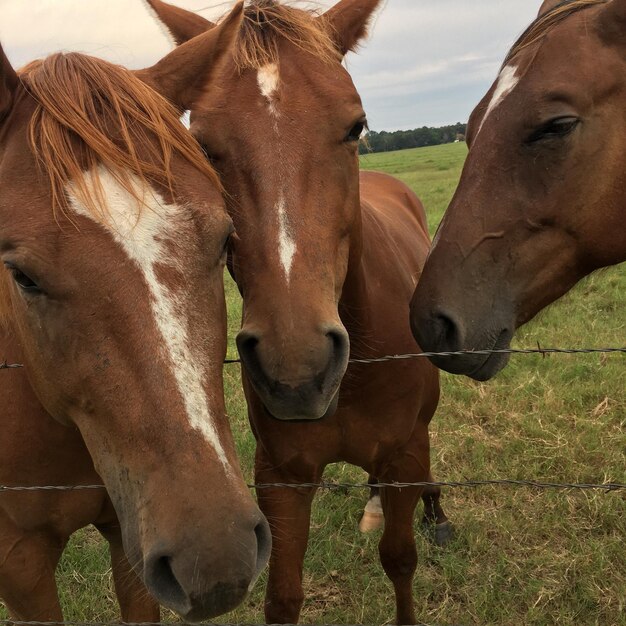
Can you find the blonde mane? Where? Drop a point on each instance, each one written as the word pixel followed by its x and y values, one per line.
pixel 267 22
pixel 542 25
pixel 92 113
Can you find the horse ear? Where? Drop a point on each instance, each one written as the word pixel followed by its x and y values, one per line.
pixel 8 84
pixel 184 73
pixel 182 24
pixel 547 6
pixel 612 21
pixel 349 20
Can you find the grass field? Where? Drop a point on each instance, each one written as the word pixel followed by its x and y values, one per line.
pixel 520 556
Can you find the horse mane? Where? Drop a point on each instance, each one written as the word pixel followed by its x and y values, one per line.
pixel 543 24
pixel 266 22
pixel 92 113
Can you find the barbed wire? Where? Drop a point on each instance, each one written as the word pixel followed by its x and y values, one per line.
pixel 7 488
pixel 543 351
pixel 337 486
pixel 467 484
pixel 10 366
pixel 420 355
pixel 11 622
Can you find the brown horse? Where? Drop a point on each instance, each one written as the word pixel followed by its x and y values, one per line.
pixel 112 237
pixel 541 199
pixel 326 261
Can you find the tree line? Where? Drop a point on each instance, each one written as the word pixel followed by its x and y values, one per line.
pixel 417 138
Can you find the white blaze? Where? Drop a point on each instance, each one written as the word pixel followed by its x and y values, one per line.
pixel 286 244
pixel 507 81
pixel 142 232
pixel 268 78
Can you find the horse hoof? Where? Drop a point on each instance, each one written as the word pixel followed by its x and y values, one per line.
pixel 440 534
pixel 371 522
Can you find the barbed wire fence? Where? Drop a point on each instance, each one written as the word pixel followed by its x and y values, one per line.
pixel 606 488
pixel 336 486
pixel 342 486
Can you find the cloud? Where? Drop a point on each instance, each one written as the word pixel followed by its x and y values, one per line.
pixel 426 62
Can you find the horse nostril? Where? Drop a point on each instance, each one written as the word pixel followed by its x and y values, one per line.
pixel 340 343
pixel 163 584
pixel 446 332
pixel 264 545
pixel 247 342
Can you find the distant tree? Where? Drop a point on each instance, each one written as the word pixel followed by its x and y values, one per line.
pixel 417 138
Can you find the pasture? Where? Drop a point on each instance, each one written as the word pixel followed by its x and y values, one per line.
pixel 520 556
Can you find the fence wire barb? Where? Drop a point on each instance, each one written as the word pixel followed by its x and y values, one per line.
pixel 334 486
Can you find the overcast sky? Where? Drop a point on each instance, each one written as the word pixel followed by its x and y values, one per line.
pixel 427 62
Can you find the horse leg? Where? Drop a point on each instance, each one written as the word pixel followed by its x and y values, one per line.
pixel 288 511
pixel 373 517
pixel 136 604
pixel 435 521
pixel 397 550
pixel 28 561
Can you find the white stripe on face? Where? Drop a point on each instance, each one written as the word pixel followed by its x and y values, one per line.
pixel 142 233
pixel 286 244
pixel 507 81
pixel 268 78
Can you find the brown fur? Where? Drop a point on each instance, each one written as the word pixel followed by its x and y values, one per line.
pixel 82 98
pixel 545 23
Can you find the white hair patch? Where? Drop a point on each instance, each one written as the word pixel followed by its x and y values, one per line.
pixel 268 78
pixel 142 233
pixel 286 245
pixel 507 81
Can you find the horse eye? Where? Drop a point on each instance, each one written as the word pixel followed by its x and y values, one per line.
pixel 554 129
pixel 23 281
pixel 355 132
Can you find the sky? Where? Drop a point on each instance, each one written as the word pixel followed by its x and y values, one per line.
pixel 425 63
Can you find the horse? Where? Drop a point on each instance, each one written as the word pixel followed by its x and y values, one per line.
pixel 540 201
pixel 113 238
pixel 326 260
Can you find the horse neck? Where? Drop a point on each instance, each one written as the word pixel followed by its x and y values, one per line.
pixel 354 303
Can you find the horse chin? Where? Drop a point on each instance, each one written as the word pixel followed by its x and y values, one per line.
pixel 493 365
pixel 291 413
pixel 223 600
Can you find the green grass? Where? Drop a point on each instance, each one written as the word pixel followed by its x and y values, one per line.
pixel 520 556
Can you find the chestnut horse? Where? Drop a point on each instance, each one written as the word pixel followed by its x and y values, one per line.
pixel 326 261
pixel 112 237
pixel 541 200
